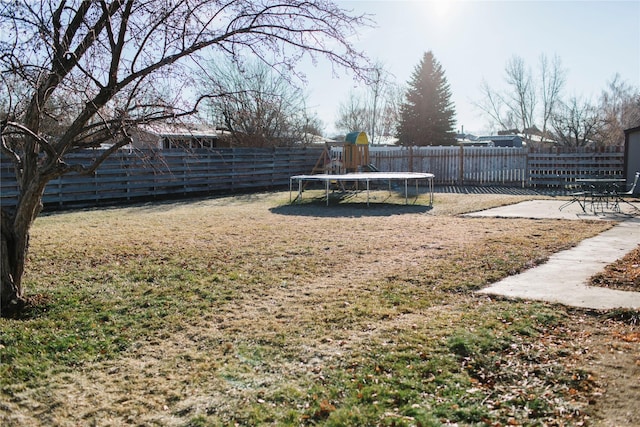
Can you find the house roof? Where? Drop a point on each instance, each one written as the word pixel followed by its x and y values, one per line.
pixel 498 138
pixel 177 130
pixel 632 130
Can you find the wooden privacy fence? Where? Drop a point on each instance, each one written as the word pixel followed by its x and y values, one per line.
pixel 148 175
pixel 456 165
pixel 561 167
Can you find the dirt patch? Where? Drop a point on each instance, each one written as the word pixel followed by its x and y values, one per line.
pixel 613 357
pixel 616 361
pixel 623 274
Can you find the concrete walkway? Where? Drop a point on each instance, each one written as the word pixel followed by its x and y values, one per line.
pixel 563 278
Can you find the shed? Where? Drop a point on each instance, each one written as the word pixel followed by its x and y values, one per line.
pixel 631 153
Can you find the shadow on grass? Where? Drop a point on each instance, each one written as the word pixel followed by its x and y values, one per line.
pixel 318 208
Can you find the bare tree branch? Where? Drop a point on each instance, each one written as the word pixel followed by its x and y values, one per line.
pixel 87 66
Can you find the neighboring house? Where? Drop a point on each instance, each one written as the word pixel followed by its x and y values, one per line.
pixel 507 138
pixel 503 140
pixel 312 139
pixel 166 136
pixel 469 140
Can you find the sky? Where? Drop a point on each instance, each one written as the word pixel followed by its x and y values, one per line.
pixel 473 41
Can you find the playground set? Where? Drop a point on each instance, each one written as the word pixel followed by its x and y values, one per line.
pixel 350 156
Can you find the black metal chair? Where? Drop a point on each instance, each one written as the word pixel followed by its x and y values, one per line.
pixel 602 196
pixel 631 192
pixel 579 197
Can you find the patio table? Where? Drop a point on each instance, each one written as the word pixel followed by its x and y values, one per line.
pixel 602 192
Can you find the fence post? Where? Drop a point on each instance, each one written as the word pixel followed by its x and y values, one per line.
pixel 461 166
pixel 525 175
pixel 411 159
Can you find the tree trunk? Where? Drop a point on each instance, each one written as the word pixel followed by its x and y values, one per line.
pixel 15 226
pixel 11 294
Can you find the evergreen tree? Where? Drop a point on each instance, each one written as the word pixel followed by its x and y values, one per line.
pixel 427 117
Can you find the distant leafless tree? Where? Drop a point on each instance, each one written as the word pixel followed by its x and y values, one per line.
pixel 259 106
pixel 494 106
pixel 518 106
pixel 385 98
pixel 552 81
pixel 374 109
pixel 514 107
pixel 353 113
pixel 99 63
pixel 576 123
pixel 619 109
pixel 522 99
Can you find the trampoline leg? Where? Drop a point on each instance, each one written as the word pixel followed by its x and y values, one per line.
pixel 430 191
pixel 327 190
pixel 406 193
pixel 367 193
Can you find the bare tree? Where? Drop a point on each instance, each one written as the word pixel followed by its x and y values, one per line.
pixel 389 112
pixel 552 82
pixel 101 55
pixel 514 107
pixel 619 110
pixel 353 114
pixel 259 106
pixel 521 99
pixel 493 105
pixel 517 107
pixel 385 98
pixel 576 123
pixel 374 109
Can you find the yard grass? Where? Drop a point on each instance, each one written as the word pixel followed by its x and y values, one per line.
pixel 248 311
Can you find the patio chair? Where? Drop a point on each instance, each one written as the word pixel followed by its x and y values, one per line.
pixel 577 196
pixel 629 193
pixel 632 190
pixel 601 197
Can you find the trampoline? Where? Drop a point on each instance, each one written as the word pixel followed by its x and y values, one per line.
pixel 366 177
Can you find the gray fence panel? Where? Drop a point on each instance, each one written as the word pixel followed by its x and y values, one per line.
pixel 148 175
pixel 456 165
pixel 560 168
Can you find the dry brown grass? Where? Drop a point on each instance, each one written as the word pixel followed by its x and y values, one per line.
pixel 624 274
pixel 282 308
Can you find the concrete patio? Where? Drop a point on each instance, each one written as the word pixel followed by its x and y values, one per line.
pixel 563 278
